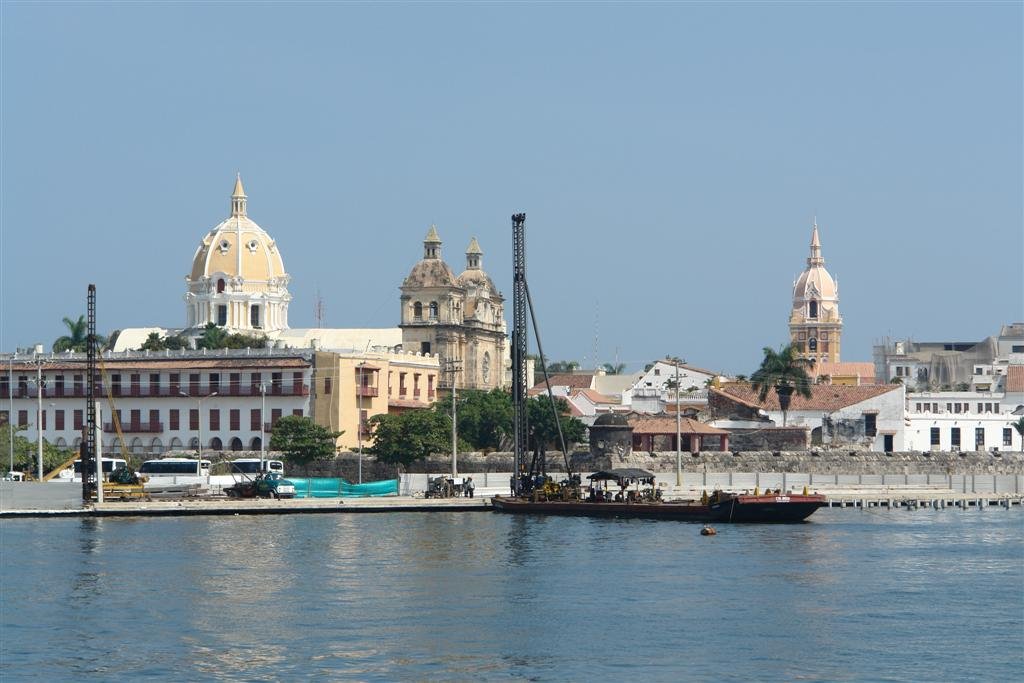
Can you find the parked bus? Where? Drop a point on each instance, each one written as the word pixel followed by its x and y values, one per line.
pixel 176 471
pixel 251 466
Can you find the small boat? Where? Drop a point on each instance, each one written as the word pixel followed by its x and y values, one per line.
pixel 645 501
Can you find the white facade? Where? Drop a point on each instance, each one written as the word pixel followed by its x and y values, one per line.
pixel 869 423
pixel 653 390
pixel 961 421
pixel 146 391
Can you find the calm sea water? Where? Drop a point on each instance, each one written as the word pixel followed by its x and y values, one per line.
pixel 853 595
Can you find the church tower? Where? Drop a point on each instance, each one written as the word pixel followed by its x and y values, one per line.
pixel 458 319
pixel 815 326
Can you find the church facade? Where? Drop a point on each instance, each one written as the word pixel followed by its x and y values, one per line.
pixel 815 325
pixel 461 319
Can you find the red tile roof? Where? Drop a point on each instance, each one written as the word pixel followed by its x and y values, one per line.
pixel 825 397
pixel 1015 378
pixel 171 364
pixel 573 381
pixel 863 371
pixel 666 424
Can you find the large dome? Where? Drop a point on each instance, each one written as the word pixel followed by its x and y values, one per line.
pixel 430 273
pixel 238 248
pixel 815 283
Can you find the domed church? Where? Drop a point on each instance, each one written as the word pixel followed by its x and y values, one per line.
pixel 815 326
pixel 459 318
pixel 238 280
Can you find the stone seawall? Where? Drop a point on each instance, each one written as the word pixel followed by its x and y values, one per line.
pixel 811 462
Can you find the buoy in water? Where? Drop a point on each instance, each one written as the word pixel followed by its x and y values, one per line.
pixel 708 530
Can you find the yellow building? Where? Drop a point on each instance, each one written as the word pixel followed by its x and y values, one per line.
pixel 349 389
pixel 815 326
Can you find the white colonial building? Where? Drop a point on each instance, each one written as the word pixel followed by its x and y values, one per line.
pixel 964 420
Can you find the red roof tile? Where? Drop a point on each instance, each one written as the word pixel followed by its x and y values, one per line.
pixel 825 397
pixel 573 381
pixel 666 424
pixel 1015 378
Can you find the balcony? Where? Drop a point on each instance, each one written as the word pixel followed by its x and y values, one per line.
pixel 372 392
pixel 136 427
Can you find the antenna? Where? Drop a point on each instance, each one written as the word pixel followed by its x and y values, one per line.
pixel 318 309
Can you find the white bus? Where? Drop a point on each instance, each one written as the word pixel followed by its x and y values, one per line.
pixel 176 471
pixel 74 473
pixel 251 466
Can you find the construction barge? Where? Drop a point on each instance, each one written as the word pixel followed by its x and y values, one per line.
pixel 639 497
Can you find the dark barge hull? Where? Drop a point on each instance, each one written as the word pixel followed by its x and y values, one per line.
pixel 756 509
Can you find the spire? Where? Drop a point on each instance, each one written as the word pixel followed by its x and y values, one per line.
pixel 815 258
pixel 473 255
pixel 432 244
pixel 238 198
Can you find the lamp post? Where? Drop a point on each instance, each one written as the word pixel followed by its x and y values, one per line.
pixel 263 416
pixel 39 417
pixel 199 428
pixel 679 437
pixel 359 416
pixel 10 409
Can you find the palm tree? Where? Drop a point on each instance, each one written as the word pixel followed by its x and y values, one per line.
pixel 1019 426
pixel 615 369
pixel 786 373
pixel 77 339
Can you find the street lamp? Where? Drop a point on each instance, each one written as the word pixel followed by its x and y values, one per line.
pixel 359 416
pixel 199 428
pixel 679 437
pixel 263 416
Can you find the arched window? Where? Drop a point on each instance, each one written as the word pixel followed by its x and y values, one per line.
pixel 236 444
pixel 193 443
pixel 156 447
pixel 812 344
pixel 255 444
pixel 216 444
pixel 812 309
pixel 137 446
pixel 433 310
pixel 417 311
pixel 220 286
pixel 175 444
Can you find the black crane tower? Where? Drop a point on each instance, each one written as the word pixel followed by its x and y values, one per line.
pixel 525 478
pixel 519 346
pixel 88 455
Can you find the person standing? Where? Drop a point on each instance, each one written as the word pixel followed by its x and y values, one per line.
pixel 470 486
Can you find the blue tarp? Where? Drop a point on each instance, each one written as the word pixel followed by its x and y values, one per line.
pixel 322 487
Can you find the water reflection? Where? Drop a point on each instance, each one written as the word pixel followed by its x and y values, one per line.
pixel 462 595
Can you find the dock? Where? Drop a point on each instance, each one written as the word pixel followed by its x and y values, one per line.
pixel 259 506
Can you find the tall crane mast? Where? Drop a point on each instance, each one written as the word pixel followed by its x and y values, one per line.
pixel 525 478
pixel 89 479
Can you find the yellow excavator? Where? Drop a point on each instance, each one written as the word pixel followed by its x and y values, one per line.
pixel 131 488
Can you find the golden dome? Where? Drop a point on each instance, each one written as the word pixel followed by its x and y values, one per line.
pixel 237 248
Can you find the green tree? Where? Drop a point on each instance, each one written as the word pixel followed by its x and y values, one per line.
pixel 563 366
pixel 783 372
pixel 214 337
pixel 1019 426
pixel 26 453
pixel 484 417
pixel 154 342
pixel 77 338
pixel 741 378
pixel 302 440
pixel 544 430
pixel 614 369
pixel 404 438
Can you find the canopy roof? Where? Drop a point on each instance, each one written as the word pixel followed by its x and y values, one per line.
pixel 621 474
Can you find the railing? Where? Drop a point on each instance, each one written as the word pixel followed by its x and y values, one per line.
pixel 367 391
pixel 136 427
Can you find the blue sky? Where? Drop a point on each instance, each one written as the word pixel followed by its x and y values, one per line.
pixel 669 157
